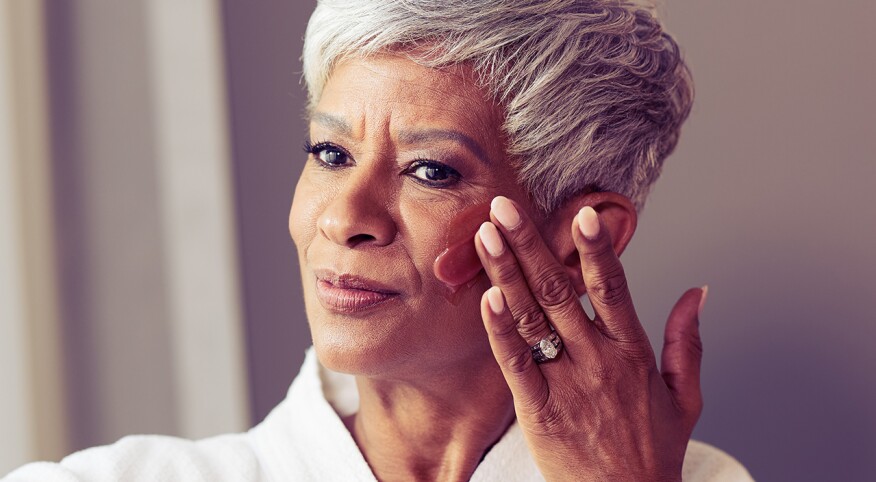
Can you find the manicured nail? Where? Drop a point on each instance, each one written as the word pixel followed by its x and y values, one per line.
pixel 705 294
pixel 495 300
pixel 588 222
pixel 505 212
pixel 492 239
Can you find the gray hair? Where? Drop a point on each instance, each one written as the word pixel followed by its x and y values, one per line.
pixel 595 92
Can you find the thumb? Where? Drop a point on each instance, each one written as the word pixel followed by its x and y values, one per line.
pixel 683 352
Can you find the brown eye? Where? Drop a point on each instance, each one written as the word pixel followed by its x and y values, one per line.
pixel 327 154
pixel 434 174
pixel 331 156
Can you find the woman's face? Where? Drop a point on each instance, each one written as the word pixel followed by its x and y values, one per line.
pixel 397 150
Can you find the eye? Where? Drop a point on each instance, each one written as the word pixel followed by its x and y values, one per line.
pixel 434 174
pixel 328 154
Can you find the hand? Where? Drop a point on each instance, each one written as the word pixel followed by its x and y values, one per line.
pixel 601 410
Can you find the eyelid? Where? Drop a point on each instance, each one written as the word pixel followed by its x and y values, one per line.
pixel 314 147
pixel 420 162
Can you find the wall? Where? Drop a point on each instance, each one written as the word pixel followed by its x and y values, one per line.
pixel 33 401
pixel 121 302
pixel 769 200
pixel 263 42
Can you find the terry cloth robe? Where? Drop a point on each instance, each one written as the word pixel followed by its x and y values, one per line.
pixel 303 439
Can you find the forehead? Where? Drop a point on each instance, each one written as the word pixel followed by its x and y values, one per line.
pixel 392 91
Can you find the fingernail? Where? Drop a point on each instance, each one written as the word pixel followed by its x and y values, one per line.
pixel 505 212
pixel 588 222
pixel 494 299
pixel 705 295
pixel 492 239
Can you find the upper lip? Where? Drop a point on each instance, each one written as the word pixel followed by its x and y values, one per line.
pixel 351 281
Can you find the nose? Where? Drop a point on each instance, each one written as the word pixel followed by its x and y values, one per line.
pixel 358 215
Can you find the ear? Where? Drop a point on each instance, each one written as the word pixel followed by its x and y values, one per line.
pixel 618 215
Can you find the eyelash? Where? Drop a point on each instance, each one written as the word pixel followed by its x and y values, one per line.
pixel 315 149
pixel 453 176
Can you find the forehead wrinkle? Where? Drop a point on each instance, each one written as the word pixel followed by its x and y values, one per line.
pixel 429 94
pixel 458 115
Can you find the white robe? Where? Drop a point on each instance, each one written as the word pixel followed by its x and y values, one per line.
pixel 303 439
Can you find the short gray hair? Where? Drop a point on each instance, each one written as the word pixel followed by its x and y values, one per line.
pixel 594 92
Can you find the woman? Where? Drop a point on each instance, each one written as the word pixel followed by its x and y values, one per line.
pixel 557 115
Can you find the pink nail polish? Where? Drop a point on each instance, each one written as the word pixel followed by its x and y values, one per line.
pixel 495 300
pixel 505 212
pixel 492 239
pixel 588 223
pixel 705 289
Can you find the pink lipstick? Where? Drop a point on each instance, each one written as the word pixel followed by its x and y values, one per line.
pixel 350 294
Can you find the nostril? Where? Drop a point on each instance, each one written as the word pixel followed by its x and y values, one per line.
pixel 354 218
pixel 359 238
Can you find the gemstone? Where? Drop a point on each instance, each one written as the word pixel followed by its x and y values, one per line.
pixel 548 348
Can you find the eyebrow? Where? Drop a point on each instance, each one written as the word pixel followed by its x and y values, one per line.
pixel 332 122
pixel 421 136
pixel 433 135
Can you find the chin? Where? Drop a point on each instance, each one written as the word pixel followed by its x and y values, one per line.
pixel 356 357
pixel 368 346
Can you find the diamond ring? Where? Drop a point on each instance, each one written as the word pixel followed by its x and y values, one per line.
pixel 547 349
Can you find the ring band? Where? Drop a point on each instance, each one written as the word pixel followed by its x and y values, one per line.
pixel 547 349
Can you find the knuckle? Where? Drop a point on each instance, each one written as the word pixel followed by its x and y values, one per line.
pixel 690 343
pixel 531 323
pixel 695 345
pixel 610 287
pixel 518 362
pixel 503 331
pixel 600 254
pixel 527 243
pixel 554 290
pixel 507 272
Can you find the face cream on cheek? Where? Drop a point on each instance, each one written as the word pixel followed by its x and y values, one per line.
pixel 458 264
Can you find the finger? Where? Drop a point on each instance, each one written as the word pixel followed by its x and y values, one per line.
pixel 683 352
pixel 501 267
pixel 605 280
pixel 544 275
pixel 524 378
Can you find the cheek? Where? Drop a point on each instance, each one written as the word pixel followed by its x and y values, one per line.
pixel 425 228
pixel 421 251
pixel 306 205
pixel 429 231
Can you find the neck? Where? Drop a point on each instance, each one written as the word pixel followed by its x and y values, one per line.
pixel 431 429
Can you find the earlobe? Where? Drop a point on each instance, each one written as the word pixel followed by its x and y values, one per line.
pixel 618 216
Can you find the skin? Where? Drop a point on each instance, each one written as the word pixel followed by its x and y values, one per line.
pixel 437 389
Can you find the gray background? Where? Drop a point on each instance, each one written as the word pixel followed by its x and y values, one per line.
pixel 769 199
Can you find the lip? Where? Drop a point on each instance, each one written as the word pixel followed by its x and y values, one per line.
pixel 347 293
